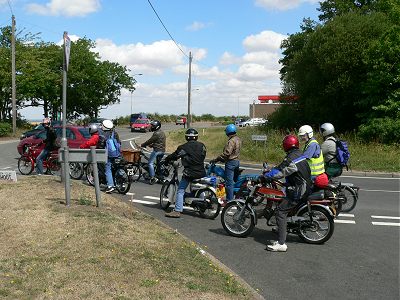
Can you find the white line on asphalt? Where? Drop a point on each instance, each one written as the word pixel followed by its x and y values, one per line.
pixel 5 168
pixel 380 191
pixel 385 224
pixel 346 215
pixel 134 138
pixel 151 197
pixel 385 217
pixel 142 201
pixel 345 221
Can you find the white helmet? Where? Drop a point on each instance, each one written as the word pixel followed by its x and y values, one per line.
pixel 107 125
pixel 306 131
pixel 327 129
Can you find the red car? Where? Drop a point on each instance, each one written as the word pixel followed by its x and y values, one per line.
pixel 76 135
pixel 141 125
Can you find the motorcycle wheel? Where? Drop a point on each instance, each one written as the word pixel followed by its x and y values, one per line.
pixel 76 170
pixel 320 229
pixel 234 226
pixel 122 182
pixel 213 206
pixel 54 166
pixel 349 198
pixel 25 165
pixel 89 174
pixel 167 194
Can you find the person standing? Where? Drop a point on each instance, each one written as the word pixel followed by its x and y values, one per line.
pixel 312 150
pixel 49 142
pixel 230 156
pixel 157 142
pixel 295 169
pixel 192 155
pixel 113 145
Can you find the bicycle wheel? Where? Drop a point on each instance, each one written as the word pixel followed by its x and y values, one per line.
pixel 233 223
pixel 212 206
pixel 167 194
pixel 122 182
pixel 25 165
pixel 54 166
pixel 349 198
pixel 76 170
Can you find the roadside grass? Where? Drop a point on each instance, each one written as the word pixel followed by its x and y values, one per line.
pixel 364 156
pixel 50 251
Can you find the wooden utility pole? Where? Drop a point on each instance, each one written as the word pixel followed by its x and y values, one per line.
pixel 189 116
pixel 13 89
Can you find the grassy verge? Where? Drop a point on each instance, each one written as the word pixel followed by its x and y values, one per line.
pixel 49 251
pixel 364 157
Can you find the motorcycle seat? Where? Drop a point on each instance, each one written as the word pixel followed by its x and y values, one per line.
pixel 318 195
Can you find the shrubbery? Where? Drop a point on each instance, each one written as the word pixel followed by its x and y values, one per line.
pixel 5 129
pixel 382 130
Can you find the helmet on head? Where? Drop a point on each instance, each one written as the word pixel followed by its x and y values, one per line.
pixel 306 132
pixel 289 142
pixel 155 125
pixel 327 129
pixel 93 128
pixel 230 129
pixel 107 125
pixel 46 121
pixel 191 134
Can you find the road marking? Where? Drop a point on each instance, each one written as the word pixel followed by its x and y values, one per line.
pixel 346 215
pixel 142 201
pixel 344 221
pixel 385 217
pixel 380 191
pixel 385 224
pixel 134 138
pixel 151 197
pixel 5 168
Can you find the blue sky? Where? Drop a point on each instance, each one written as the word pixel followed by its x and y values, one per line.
pixel 235 46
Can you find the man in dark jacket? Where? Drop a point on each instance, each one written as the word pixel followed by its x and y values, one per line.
pixel 296 170
pixel 157 142
pixel 49 142
pixel 192 154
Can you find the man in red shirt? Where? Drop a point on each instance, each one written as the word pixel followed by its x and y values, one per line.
pixel 94 139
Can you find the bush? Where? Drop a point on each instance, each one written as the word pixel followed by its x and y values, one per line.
pixel 5 129
pixel 381 130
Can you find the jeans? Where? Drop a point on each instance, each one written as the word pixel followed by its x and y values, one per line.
pixel 108 172
pixel 39 160
pixel 152 159
pixel 183 184
pixel 230 167
pixel 281 218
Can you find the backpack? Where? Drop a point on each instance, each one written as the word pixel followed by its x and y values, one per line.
pixel 101 144
pixel 342 153
pixel 113 147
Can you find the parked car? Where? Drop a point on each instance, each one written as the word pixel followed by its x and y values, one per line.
pixel 96 121
pixel 253 122
pixel 134 117
pixel 180 121
pixel 141 125
pixel 76 135
pixel 239 120
pixel 37 129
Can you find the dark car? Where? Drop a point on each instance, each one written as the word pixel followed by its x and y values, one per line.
pixel 76 135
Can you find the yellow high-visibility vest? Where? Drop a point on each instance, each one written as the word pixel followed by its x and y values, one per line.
pixel 316 164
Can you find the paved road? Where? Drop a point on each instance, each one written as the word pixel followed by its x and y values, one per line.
pixel 360 261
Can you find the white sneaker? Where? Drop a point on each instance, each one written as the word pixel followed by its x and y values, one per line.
pixel 276 247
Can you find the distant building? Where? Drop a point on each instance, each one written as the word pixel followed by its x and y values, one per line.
pixel 268 104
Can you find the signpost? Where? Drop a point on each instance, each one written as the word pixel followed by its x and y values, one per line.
pixel 262 138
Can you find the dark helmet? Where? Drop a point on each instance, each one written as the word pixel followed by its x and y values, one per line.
pixel 191 134
pixel 155 125
pixel 230 129
pixel 289 142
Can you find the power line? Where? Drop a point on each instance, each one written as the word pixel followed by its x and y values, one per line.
pixel 9 4
pixel 167 29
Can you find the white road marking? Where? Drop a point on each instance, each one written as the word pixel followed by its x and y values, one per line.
pixel 344 221
pixel 385 224
pixel 5 168
pixel 142 201
pixel 346 215
pixel 151 197
pixel 385 217
pixel 134 138
pixel 380 191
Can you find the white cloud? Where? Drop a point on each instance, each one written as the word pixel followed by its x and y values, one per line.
pixel 196 26
pixel 264 41
pixel 282 5
pixel 70 8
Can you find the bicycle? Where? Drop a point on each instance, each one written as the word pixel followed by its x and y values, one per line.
pixel 137 164
pixel 26 163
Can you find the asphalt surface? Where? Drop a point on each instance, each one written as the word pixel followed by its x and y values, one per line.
pixel 360 261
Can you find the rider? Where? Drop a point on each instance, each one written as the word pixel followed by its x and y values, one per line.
pixel 108 129
pixel 51 137
pixel 230 155
pixel 328 147
pixel 296 170
pixel 192 154
pixel 315 159
pixel 94 139
pixel 157 142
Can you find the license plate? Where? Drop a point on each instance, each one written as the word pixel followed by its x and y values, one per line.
pixel 130 172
